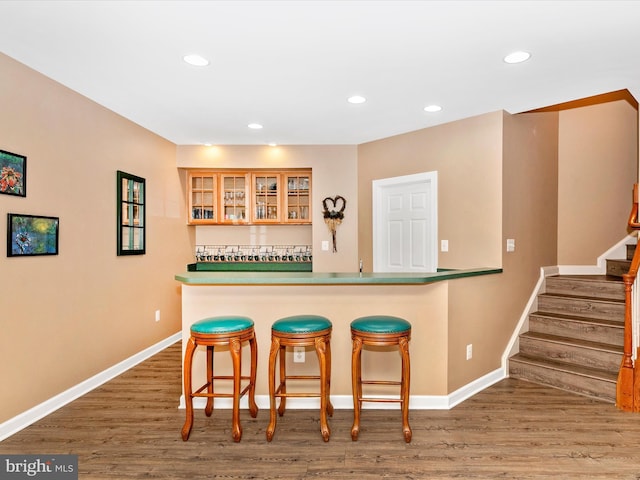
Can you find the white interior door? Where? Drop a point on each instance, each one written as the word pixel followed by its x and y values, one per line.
pixel 405 223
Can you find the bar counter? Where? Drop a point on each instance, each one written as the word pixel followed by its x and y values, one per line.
pixel 311 278
pixel 420 298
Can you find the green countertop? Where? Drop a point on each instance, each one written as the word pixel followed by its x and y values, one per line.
pixel 312 278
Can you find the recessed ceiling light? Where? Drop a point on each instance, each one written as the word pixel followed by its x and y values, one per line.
pixel 356 99
pixel 517 57
pixel 255 126
pixel 196 60
pixel 273 144
pixel 432 108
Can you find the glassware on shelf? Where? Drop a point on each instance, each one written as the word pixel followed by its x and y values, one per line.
pixel 253 253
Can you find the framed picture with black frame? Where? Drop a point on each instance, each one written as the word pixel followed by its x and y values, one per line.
pixel 13 174
pixel 131 213
pixel 29 235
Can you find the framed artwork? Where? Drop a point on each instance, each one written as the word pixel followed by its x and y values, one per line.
pixel 131 214
pixel 29 235
pixel 13 174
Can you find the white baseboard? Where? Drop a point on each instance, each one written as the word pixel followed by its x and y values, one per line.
pixel 345 402
pixel 34 414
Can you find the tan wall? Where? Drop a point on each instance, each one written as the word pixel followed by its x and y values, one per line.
pixel 598 154
pixel 70 316
pixel 467 156
pixel 484 311
pixel 497 176
pixel 334 170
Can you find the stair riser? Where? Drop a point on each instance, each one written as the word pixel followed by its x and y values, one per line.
pixel 584 288
pixel 591 387
pixel 617 268
pixel 582 330
pixel 571 354
pixel 582 308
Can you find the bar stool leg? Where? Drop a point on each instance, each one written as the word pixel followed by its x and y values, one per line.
pixel 234 349
pixel 406 375
pixel 209 407
pixel 283 379
pixel 273 353
pixel 321 350
pixel 329 404
pixel 253 406
pixel 356 386
pixel 188 398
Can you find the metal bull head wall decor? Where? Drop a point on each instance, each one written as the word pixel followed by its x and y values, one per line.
pixel 333 213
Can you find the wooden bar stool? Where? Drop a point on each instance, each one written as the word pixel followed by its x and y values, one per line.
pixel 214 332
pixel 300 331
pixel 380 330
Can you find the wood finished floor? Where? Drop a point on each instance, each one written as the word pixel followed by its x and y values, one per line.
pixel 130 428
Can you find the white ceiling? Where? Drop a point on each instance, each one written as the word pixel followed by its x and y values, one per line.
pixel 290 65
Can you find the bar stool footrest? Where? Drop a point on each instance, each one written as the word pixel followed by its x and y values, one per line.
pixel 198 393
pixel 380 382
pixel 380 400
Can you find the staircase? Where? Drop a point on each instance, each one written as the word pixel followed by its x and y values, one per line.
pixel 575 338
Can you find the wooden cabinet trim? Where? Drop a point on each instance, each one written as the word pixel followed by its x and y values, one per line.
pixel 233 205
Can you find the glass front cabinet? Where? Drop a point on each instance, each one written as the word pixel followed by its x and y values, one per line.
pixel 234 192
pixel 297 196
pixel 217 197
pixel 203 197
pixel 266 197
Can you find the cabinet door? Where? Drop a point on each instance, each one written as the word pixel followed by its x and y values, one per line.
pixel 203 198
pixel 266 197
pixel 297 197
pixel 233 198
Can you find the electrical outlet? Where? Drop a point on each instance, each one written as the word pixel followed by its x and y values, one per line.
pixel 298 354
pixel 444 245
pixel 469 351
pixel 157 315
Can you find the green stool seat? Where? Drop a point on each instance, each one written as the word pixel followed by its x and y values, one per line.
pixel 380 324
pixel 223 324
pixel 301 324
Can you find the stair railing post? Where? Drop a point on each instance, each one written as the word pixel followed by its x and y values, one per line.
pixel 627 398
pixel 635 323
pixel 625 385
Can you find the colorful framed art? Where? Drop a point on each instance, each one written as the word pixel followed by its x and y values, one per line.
pixel 29 235
pixel 13 174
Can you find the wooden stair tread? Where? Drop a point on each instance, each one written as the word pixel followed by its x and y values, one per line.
pixel 583 297
pixel 574 342
pixel 576 318
pixel 593 278
pixel 567 368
